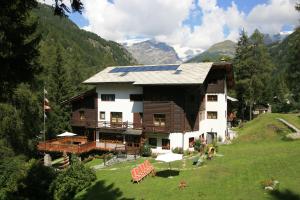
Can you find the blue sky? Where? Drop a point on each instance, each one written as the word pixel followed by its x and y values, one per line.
pixel 185 24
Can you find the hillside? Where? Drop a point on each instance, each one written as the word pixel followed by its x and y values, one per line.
pixel 153 52
pixel 257 155
pixel 83 53
pixel 216 52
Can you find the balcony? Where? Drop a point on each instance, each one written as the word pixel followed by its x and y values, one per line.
pixel 75 144
pixel 121 126
pixel 156 129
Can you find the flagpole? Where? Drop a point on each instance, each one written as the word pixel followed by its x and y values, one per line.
pixel 44 118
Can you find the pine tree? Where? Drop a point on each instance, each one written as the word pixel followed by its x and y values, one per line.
pixel 59 90
pixel 253 67
pixel 293 71
pixel 18 49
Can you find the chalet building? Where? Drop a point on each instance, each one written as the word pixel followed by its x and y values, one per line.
pixel 165 106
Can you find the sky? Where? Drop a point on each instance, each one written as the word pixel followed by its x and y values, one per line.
pixel 184 24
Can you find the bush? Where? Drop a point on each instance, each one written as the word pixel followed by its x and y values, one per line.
pixel 177 150
pixel 154 155
pixel 146 151
pixel 220 139
pixel 186 152
pixel 71 181
pixel 197 145
pixel 35 185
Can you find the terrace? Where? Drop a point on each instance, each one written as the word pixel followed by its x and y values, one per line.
pixel 80 144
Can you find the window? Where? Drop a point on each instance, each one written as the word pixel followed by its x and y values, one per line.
pixel 102 115
pixel 153 142
pixel 81 115
pixel 165 144
pixel 136 97
pixel 159 120
pixel 191 142
pixel 212 97
pixel 212 115
pixel 107 97
pixel 116 117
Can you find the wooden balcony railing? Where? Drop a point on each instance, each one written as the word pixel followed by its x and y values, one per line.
pixel 65 145
pixel 69 148
pixel 157 129
pixel 119 125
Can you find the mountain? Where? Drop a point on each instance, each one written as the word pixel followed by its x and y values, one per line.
pixel 83 53
pixel 275 38
pixel 153 52
pixel 216 52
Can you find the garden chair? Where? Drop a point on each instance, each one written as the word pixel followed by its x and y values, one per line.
pixel 135 176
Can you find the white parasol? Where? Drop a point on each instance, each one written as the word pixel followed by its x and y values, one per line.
pixel 169 157
pixel 66 134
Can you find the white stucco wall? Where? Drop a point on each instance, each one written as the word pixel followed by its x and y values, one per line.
pixel 218 125
pixel 176 140
pixel 122 101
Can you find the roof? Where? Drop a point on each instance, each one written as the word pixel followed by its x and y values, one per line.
pixel 174 74
pixel 231 98
pixel 80 96
pixel 188 73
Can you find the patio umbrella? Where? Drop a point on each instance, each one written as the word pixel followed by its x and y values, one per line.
pixel 66 134
pixel 169 157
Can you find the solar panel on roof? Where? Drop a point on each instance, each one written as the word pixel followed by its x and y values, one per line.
pixel 145 68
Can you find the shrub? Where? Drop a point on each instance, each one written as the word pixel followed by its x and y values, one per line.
pixel 154 155
pixel 71 181
pixel 197 145
pixel 186 152
pixel 220 139
pixel 146 150
pixel 177 150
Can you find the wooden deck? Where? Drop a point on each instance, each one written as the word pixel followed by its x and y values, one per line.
pixel 79 145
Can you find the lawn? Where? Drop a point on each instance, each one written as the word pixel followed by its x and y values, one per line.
pixel 258 154
pixel 94 162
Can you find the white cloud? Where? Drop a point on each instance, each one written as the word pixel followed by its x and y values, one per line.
pixel 164 20
pixel 122 19
pixel 271 17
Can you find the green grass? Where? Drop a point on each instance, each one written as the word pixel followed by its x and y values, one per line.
pixel 94 162
pixel 292 118
pixel 258 154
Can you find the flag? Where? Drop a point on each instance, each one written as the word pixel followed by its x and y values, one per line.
pixel 46 108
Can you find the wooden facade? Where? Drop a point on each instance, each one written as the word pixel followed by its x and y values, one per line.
pixel 84 110
pixel 180 104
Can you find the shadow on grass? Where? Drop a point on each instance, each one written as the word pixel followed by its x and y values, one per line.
pixel 167 173
pixel 101 191
pixel 286 195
